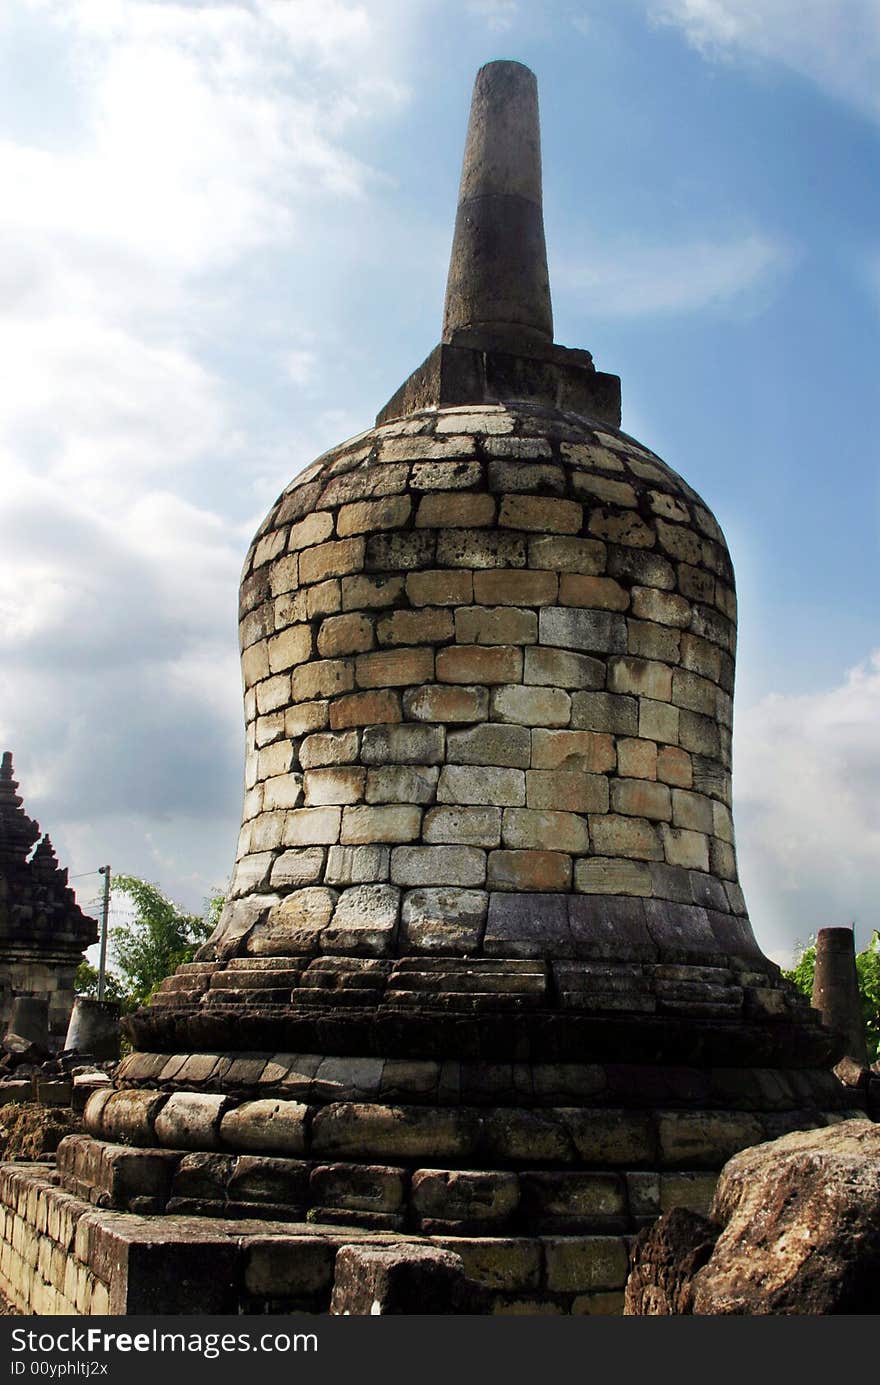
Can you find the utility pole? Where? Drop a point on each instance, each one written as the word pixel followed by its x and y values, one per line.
pixel 105 915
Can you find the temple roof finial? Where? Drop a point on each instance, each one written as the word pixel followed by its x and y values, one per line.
pixel 498 284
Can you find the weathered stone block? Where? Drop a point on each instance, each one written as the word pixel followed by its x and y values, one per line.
pixel 525 827
pixel 606 875
pixel 478 664
pixel 625 836
pixel 352 865
pixel 361 592
pixel 359 1187
pixel 381 823
pixel 395 667
pixel 432 624
pixel 266 1126
pixel 455 509
pixel 394 1280
pixel 402 784
pixel 348 634
pixel 531 706
pixel 442 865
pixel 289 1266
pixel 190 1120
pixel 446 703
pixel 495 625
pixel 540 514
pixel 331 560
pixel 333 785
pixel 570 790
pixel 322 678
pixel 641 798
pixel 515 588
pixel 365 709
pixel 441 1198
pixel 440 588
pixel 561 554
pixel 458 826
pixel 561 668
pixel 444 920
pixel 529 870
pixel 479 548
pixel 481 785
pixel 658 721
pixel 366 516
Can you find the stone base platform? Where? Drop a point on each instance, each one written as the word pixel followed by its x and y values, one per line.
pixel 62 1255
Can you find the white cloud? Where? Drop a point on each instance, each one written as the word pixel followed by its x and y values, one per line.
pixel 639 280
pixel 500 15
pixel 835 45
pixel 807 800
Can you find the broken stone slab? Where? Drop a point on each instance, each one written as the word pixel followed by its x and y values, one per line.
pixel 379 1281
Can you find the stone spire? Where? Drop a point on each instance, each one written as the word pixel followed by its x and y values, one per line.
pixel 498 285
pixel 18 832
pixel 497 344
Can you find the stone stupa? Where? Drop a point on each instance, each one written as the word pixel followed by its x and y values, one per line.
pixel 485 972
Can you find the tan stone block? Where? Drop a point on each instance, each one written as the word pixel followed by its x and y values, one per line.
pixel 641 566
pixel 336 784
pixel 544 829
pixel 641 798
pixel 668 507
pixel 324 598
pixel 284 575
pixel 355 865
pixel 402 784
pixel 311 827
pixel 625 836
pixel 293 868
pixel 599 593
pixel 529 870
pixel 303 717
pixel 394 667
pixel 562 668
pixel 608 875
pixel 315 528
pixel 380 706
pixel 322 678
pixel 589 751
pixel 531 706
pixel 492 419
pixel 403 745
pixel 331 560
pixel 480 548
pixel 292 646
pixel 366 516
pixel 459 826
pixel 455 510
pixel 645 640
pixel 439 703
pixel 284 791
pixel 368 593
pixel 269 547
pixel 463 866
pixel 693 810
pixel 561 554
pixel 292 608
pixel 440 588
pixel 680 542
pixel 643 677
pixel 275 759
pixel 674 766
pixel 311 907
pixel 658 721
pixel 272 692
pixel 479 664
pixel 534 478
pixel 626 529
pixel 699 734
pixel 662 607
pixel 568 789
pixel 515 588
pixel 496 625
pixel 591 487
pixel 269 728
pixel 722 822
pixel 725 600
pixel 540 514
pixel 255 663
pixel 364 481
pixel 426 449
pixel 684 848
pixel 256 625
pixel 595 632
pixel 348 634
pixel 401 550
pixel 481 784
pixel 490 744
pixel 445 476
pixel 432 624
pixel 637 759
pixel 526 448
pixel 693 692
pixel 444 920
pixel 385 823
pixel 329 748
pixel 587 455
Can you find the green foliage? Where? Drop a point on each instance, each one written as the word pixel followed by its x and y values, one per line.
pixel 868 972
pixel 157 940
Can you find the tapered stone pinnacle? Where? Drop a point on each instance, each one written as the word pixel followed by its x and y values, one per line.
pixel 498 286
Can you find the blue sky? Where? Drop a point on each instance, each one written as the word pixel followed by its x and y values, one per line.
pixel 224 245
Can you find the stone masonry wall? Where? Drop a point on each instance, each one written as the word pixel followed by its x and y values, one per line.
pixel 485 650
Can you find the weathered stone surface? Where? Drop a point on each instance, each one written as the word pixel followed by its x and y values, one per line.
pixel 444 920
pixel 190 1120
pixel 797 1228
pixel 476 1199
pixel 265 1126
pixel 375 1281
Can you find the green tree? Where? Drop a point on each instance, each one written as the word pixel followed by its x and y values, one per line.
pixel 868 972
pixel 151 946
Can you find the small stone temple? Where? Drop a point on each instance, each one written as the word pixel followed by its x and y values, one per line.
pixel 43 931
pixel 485 983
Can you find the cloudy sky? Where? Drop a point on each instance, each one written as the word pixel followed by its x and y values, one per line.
pixel 223 244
